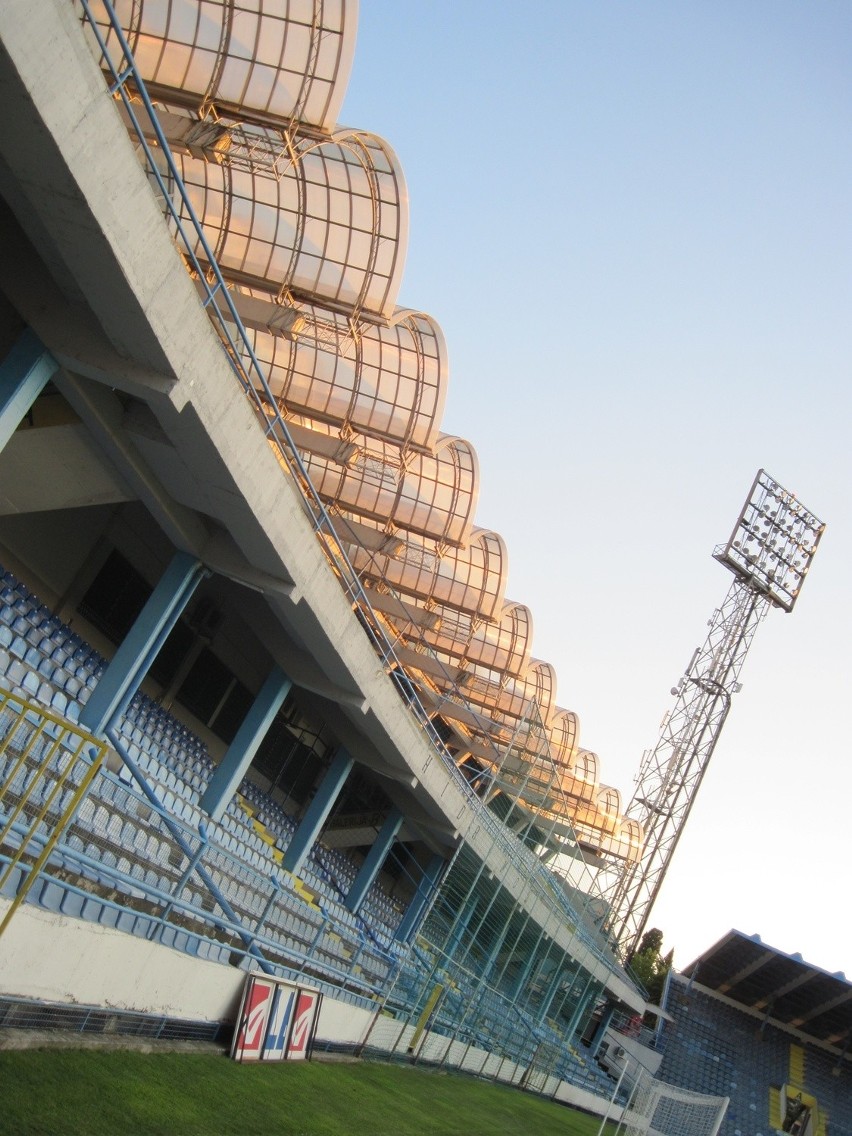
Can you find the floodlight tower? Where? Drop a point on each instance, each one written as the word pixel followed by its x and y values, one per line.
pixel 769 552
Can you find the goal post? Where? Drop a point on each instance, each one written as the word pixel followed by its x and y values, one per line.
pixel 659 1109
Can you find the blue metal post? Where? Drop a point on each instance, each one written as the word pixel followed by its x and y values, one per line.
pixel 23 375
pixel 132 660
pixel 409 921
pixel 242 749
pixel 375 858
pixel 577 1018
pixel 533 959
pixel 317 812
pixel 600 1032
pixel 559 976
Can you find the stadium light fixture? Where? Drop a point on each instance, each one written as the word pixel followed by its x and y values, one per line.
pixel 773 542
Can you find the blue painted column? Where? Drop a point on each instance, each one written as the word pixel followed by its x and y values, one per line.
pixel 600 1032
pixel 408 924
pixel 559 976
pixel 534 959
pixel 241 751
pixel 317 812
pixel 23 375
pixel 590 993
pixel 375 858
pixel 134 657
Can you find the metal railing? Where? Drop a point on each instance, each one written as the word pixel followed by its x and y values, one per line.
pixel 77 838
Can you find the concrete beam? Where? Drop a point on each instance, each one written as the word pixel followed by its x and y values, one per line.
pixel 103 415
pixel 23 375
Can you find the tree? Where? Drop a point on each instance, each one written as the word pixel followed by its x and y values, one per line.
pixel 648 965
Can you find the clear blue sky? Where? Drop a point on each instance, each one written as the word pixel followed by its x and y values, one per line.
pixel 632 221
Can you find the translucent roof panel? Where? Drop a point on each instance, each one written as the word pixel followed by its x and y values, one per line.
pixel 255 59
pixel 564 734
pixel 502 646
pixel 620 840
pixel 512 697
pixel 431 496
pixel 471 579
pixel 576 788
pixel 332 224
pixel 609 800
pixel 585 766
pixel 631 837
pixel 388 382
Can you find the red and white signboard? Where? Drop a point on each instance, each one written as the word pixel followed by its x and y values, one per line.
pixel 304 1024
pixel 280 1025
pixel 277 1020
pixel 250 1033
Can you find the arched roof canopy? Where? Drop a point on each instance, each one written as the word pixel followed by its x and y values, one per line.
pixel 609 805
pixel 265 61
pixel 584 815
pixel 327 221
pixel 620 841
pixel 576 788
pixel 528 696
pixel 388 382
pixel 585 766
pixel 631 838
pixel 609 800
pixel 431 496
pixel 502 646
pixel 470 579
pixel 564 734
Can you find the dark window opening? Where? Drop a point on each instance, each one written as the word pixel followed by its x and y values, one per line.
pixel 115 597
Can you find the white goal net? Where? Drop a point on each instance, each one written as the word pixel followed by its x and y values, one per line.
pixel 658 1109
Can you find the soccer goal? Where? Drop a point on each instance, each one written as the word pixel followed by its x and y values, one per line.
pixel 658 1109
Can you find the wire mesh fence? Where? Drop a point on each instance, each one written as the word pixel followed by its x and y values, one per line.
pixel 25 1014
pixel 441 1013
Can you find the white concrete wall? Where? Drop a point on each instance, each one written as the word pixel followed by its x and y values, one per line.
pixel 58 959
pixel 50 956
pixel 341 1023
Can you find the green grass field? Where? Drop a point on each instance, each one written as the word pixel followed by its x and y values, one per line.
pixel 93 1092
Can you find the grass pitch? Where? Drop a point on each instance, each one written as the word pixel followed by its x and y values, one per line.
pixel 93 1092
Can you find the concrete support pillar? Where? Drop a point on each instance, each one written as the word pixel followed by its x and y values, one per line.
pixel 240 753
pixel 533 960
pixel 600 1032
pixel 462 923
pixel 134 657
pixel 23 375
pixel 375 858
pixel 317 813
pixel 409 922
pixel 579 1016
pixel 559 977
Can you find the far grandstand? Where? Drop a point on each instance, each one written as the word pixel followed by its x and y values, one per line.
pixel 264 704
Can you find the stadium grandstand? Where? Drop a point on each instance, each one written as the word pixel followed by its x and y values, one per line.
pixel 767 1030
pixel 264 704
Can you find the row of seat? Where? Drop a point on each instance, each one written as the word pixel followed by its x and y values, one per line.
pixel 179 767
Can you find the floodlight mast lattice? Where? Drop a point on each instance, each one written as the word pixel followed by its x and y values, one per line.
pixel 769 552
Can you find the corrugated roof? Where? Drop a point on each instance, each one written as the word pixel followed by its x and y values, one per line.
pixel 784 987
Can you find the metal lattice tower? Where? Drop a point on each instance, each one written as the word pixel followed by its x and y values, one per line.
pixel 769 553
